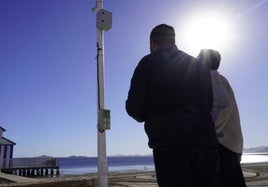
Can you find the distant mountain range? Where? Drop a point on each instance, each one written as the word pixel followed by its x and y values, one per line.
pixel 260 149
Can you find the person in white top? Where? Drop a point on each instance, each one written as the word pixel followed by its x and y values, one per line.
pixel 227 122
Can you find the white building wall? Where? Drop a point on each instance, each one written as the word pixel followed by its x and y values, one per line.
pixel 6 149
pixel 2 148
pixel 8 156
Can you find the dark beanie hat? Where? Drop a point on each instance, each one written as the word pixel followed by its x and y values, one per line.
pixel 163 31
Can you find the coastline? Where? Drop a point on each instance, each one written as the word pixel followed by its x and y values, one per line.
pixel 256 174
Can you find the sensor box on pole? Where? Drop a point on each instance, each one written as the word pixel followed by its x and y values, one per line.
pixel 104 119
pixel 104 20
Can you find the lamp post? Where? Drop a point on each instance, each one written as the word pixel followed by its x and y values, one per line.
pixel 103 23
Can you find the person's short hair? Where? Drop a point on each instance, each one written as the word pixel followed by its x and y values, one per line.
pixel 210 57
pixel 163 34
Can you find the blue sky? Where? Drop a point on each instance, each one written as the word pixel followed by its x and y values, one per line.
pixel 48 97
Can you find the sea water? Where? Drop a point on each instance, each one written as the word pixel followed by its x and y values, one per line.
pixel 84 165
pixel 254 158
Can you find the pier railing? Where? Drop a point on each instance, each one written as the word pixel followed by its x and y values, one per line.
pixel 30 166
pixel 30 162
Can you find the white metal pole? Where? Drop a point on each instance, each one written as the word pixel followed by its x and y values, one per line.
pixel 102 157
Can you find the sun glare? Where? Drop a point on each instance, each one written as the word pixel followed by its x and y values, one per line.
pixel 205 32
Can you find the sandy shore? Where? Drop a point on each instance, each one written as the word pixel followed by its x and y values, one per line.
pixel 255 175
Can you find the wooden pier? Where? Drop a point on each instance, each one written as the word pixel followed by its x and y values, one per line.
pixel 30 167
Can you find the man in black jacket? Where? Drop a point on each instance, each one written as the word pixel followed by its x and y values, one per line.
pixel 172 94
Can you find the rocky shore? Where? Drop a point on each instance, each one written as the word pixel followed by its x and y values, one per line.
pixel 255 175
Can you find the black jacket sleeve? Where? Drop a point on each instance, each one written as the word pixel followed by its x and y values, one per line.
pixel 136 101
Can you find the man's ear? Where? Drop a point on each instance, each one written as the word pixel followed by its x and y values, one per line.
pixel 153 46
